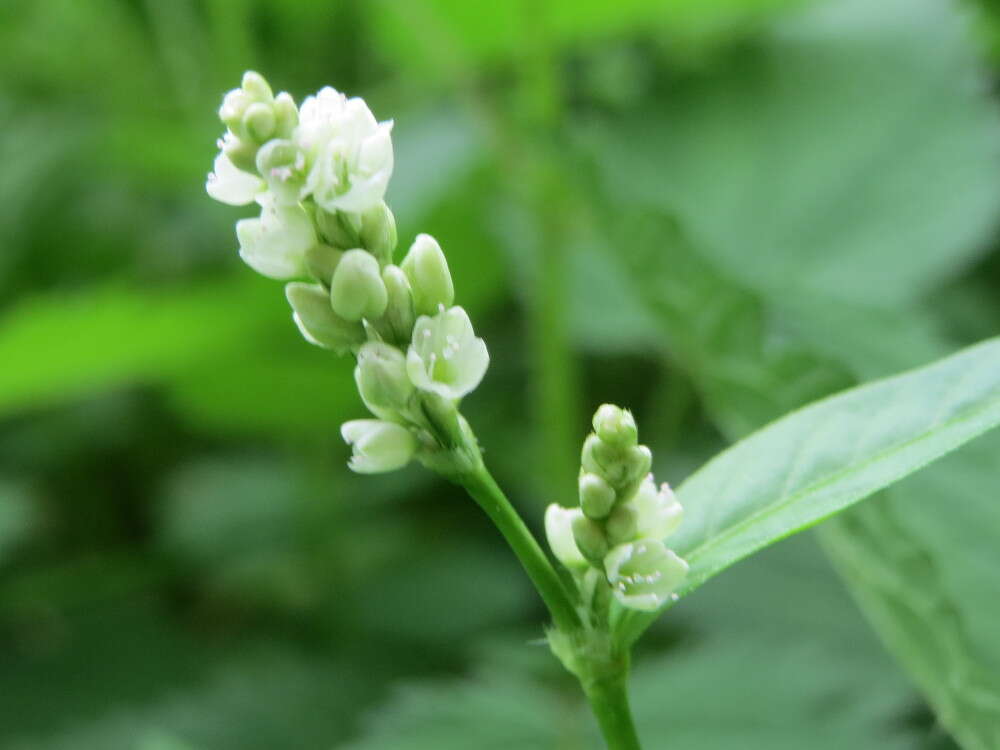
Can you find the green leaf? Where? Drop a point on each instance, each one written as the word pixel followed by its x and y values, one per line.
pixel 824 458
pixel 939 618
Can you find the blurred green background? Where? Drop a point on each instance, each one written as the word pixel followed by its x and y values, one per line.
pixel 710 211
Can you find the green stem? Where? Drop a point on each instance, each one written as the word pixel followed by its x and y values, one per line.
pixel 608 698
pixel 479 483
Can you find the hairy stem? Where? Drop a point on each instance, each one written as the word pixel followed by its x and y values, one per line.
pixel 480 484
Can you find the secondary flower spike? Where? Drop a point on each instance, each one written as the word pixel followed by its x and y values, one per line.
pixel 617 531
pixel 319 175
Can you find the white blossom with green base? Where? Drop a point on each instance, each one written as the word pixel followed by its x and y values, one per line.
pixel 275 244
pixel 643 575
pixel 378 446
pixel 446 357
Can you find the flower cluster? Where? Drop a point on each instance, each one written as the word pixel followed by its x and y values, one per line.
pixel 319 174
pixel 619 527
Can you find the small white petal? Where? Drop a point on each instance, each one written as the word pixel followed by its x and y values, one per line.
pixel 231 185
pixel 378 446
pixel 559 531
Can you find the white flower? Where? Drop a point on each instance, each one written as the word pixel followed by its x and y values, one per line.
pixel 230 185
pixel 349 154
pixel 644 574
pixel 559 531
pixel 659 513
pixel 275 244
pixel 378 446
pixel 446 357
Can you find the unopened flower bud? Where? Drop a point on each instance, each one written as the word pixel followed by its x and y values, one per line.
pixel 399 316
pixel 378 446
pixel 382 380
pixel 259 122
pixel 335 228
pixel 597 497
pixel 590 538
pixel 603 459
pixel 559 531
pixel 644 574
pixel 623 524
pixel 247 111
pixel 256 86
pixel 639 459
pixel 427 269
pixel 616 426
pixel 286 115
pixel 356 289
pixel 317 321
pixel 234 106
pixel 378 231
pixel 243 154
pixel 322 261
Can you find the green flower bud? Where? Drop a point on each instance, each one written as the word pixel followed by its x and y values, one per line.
pixel 321 262
pixel 397 323
pixel 356 289
pixel 603 459
pixel 382 380
pixel 317 321
pixel 427 269
pixel 590 538
pixel 597 497
pixel 242 153
pixel 335 229
pixel 259 122
pixel 559 531
pixel 286 115
pixel 254 96
pixel 378 446
pixel 378 231
pixel 639 460
pixel 616 426
pixel 644 574
pixel 257 86
pixel 623 524
pixel 234 105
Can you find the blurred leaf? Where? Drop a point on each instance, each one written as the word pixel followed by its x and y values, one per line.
pixel 699 698
pixel 491 712
pixel 853 155
pixel 898 584
pixel 433 35
pixel 18 517
pixel 266 699
pixel 63 346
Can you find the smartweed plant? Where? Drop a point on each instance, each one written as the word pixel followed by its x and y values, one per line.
pixel 624 548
